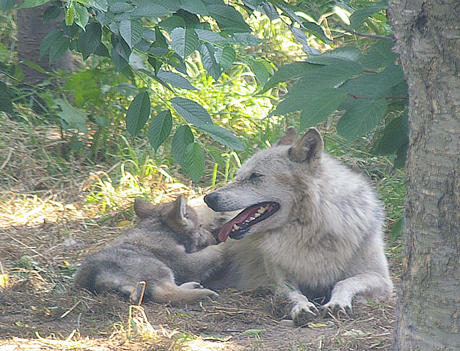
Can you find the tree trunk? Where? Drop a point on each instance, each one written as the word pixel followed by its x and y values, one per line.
pixel 31 32
pixel 428 42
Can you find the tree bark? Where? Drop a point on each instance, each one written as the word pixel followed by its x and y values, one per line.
pixel 31 32
pixel 428 42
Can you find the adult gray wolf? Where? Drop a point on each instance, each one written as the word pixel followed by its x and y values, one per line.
pixel 168 246
pixel 310 226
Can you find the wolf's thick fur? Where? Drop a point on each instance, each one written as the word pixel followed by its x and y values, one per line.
pixel 168 246
pixel 324 234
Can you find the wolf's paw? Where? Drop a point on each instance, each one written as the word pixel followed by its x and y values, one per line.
pixel 191 285
pixel 303 312
pixel 336 309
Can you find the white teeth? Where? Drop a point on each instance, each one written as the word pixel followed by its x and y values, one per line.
pixel 259 213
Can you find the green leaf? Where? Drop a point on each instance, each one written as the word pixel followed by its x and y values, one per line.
pixel 184 41
pixel 316 30
pixel 359 16
pixel 90 40
pixel 5 100
pixel 32 3
pixel 400 160
pixel 209 61
pixel 196 7
pixel 192 112
pixel 175 79
pixel 246 39
pixel 138 113
pixel 131 31
pixel 379 55
pixel 51 13
pixel 223 136
pixel 73 117
pixel 227 57
pixel 6 5
pixel 397 229
pixel 101 5
pixel 261 69
pixel 172 22
pixel 194 161
pixel 121 7
pixel 150 10
pixel 81 14
pixel 314 83
pixel 318 108
pixel 55 45
pixel 361 118
pixel 34 66
pixel 70 14
pixel 374 85
pixel 160 128
pixel 228 18
pixel 216 155
pixel 394 136
pixel 209 36
pixel 337 56
pixel 288 72
pixel 182 138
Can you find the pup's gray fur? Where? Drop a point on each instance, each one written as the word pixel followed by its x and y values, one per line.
pixel 324 237
pixel 168 246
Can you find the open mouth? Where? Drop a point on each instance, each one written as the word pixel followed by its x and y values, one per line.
pixel 238 226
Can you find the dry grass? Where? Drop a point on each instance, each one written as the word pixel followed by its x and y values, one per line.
pixel 47 227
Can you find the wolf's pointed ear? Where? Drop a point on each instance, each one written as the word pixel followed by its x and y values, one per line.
pixel 288 137
pixel 143 208
pixel 308 148
pixel 179 209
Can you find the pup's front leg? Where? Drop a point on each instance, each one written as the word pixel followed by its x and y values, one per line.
pixel 302 310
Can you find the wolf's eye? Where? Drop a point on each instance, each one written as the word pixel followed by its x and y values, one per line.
pixel 255 176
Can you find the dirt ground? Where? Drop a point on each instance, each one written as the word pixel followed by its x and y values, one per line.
pixel 47 229
pixel 41 310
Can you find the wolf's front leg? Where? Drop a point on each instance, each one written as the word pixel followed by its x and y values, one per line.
pixel 366 284
pixel 302 310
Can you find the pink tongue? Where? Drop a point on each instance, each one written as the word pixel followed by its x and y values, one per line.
pixel 227 227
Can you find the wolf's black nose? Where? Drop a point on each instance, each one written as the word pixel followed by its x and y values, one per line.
pixel 211 199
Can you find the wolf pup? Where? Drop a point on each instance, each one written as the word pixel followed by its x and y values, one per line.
pixel 310 226
pixel 168 246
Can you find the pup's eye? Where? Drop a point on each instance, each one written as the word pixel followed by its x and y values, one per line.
pixel 255 176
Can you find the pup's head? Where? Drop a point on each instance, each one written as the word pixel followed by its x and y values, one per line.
pixel 269 185
pixel 182 221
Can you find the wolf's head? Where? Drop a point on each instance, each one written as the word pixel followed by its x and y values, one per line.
pixel 182 222
pixel 269 185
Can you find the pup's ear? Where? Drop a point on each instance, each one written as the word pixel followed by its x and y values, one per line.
pixel 308 148
pixel 178 210
pixel 143 208
pixel 288 137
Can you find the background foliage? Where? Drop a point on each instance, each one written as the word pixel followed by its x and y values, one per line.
pixel 346 72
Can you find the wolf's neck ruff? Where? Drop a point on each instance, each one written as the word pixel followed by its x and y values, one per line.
pixel 238 226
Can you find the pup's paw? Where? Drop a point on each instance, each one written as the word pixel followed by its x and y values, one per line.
pixel 191 285
pixel 303 312
pixel 336 309
pixel 211 294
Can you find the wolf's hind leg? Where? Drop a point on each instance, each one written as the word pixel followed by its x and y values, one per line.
pixel 170 292
pixel 370 285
